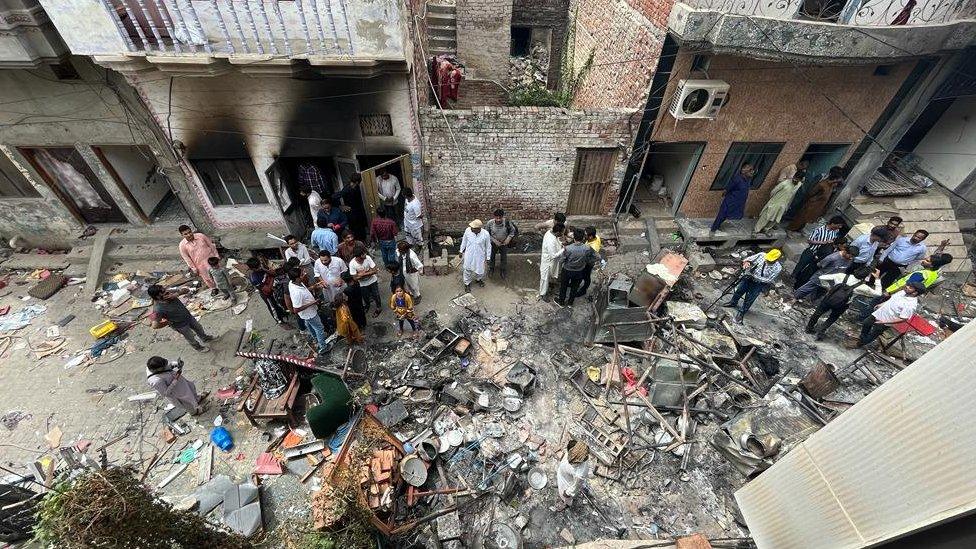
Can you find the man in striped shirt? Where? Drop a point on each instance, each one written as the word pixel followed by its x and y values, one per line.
pixel 759 271
pixel 820 245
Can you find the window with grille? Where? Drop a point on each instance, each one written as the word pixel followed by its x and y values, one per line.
pixel 375 125
pixel 231 182
pixel 13 184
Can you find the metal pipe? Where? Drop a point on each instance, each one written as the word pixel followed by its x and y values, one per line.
pixel 267 26
pixel 199 26
pixel 237 26
pixel 284 31
pixel 114 14
pixel 152 25
pixel 309 50
pixel 181 24
pixel 135 23
pixel 168 25
pixel 254 27
pixel 222 26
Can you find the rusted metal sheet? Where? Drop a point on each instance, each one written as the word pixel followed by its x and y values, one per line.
pixel 896 462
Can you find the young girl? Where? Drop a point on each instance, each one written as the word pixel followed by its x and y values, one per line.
pixel 345 325
pixel 402 305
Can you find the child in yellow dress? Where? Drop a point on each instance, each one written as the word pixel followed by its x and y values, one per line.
pixel 402 305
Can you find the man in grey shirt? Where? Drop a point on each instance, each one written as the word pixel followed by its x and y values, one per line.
pixel 576 257
pixel 501 231
pixel 836 262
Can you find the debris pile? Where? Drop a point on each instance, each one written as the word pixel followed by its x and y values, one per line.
pixel 530 71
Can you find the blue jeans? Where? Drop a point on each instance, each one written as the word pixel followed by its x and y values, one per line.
pixel 317 329
pixel 750 289
pixel 388 251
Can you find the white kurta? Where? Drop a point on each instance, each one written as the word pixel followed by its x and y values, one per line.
pixel 413 224
pixel 552 249
pixel 412 279
pixel 569 477
pixel 476 249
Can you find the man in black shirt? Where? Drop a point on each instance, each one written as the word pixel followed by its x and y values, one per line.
pixel 170 311
pixel 352 205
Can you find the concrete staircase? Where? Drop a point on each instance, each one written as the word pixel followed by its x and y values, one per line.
pixel 441 29
pixel 639 233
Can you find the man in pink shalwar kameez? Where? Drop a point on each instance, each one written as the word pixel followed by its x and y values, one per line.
pixel 196 248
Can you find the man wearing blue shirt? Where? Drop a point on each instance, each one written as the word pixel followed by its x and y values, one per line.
pixel 867 246
pixel 900 254
pixel 324 238
pixel 331 216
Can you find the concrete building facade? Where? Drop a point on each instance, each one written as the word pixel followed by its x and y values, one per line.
pixel 799 80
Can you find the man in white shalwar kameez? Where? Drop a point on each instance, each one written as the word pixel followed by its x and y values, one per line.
pixel 552 250
pixel 475 252
pixel 572 472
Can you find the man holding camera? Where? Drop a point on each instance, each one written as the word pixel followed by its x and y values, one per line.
pixel 759 271
pixel 166 378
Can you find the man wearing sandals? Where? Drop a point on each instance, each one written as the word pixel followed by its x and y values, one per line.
pixel 166 378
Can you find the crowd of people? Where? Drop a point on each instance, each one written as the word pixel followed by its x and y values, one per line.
pixel 896 268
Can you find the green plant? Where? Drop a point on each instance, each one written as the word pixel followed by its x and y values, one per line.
pixel 110 508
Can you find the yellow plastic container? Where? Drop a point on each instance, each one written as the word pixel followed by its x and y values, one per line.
pixel 101 330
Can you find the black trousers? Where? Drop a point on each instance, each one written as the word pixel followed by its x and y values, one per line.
pixel 277 313
pixel 871 330
pixel 587 275
pixel 806 265
pixel 832 317
pixel 890 272
pixel 569 281
pixel 501 250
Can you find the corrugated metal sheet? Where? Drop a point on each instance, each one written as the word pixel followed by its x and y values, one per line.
pixel 899 460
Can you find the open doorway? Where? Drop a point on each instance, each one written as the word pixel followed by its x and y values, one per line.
pixel 135 170
pixel 288 176
pixel 71 178
pixel 397 166
pixel 667 173
pixel 820 157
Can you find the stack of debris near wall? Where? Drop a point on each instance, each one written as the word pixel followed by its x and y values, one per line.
pixel 931 211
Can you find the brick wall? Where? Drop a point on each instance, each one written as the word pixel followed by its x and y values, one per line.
pixel 625 37
pixel 553 14
pixel 517 158
pixel 484 37
pixel 778 103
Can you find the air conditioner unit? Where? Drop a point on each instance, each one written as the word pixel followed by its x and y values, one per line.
pixel 698 99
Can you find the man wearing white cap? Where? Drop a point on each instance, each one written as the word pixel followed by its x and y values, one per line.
pixel 475 252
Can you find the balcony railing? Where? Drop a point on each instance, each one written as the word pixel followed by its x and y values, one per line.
pixel 871 13
pixel 234 27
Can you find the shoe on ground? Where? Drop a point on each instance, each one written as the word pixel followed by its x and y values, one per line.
pixel 203 349
pixel 730 305
pixel 467 288
pixel 739 317
pixel 481 283
pixel 209 338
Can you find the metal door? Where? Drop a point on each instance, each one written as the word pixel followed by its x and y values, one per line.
pixel 591 180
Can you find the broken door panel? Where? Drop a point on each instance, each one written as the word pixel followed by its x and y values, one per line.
pixel 76 185
pixel 297 218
